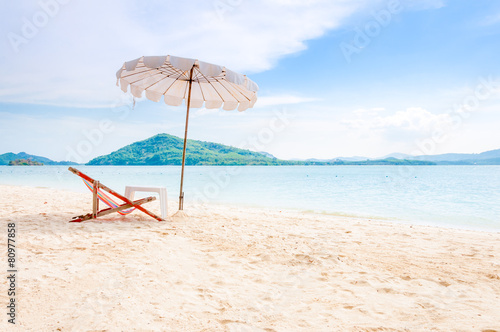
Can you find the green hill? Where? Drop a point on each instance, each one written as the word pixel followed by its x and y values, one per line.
pixel 165 149
pixel 6 158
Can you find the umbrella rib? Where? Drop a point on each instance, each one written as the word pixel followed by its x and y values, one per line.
pixel 164 78
pixel 213 87
pixel 144 78
pixel 140 78
pixel 134 73
pixel 208 81
pixel 173 84
pixel 185 90
pixel 201 90
pixel 206 78
pixel 229 90
pixel 240 90
pixel 197 80
pixel 202 75
pixel 171 69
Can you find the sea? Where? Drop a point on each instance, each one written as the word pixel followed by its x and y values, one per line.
pixel 466 197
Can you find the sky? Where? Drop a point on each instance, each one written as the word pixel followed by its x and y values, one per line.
pixel 337 78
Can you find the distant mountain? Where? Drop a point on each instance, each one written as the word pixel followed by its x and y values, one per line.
pixel 266 154
pixel 492 161
pixel 398 155
pixel 454 157
pixel 355 158
pixel 8 157
pixel 485 158
pixel 315 160
pixel 334 160
pixel 386 161
pixel 492 154
pixel 165 149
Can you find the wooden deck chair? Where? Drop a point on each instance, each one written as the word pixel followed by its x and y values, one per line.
pixel 98 194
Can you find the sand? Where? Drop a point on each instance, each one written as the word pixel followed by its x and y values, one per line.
pixel 241 269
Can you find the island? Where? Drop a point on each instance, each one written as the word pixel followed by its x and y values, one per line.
pixel 165 149
pixel 24 162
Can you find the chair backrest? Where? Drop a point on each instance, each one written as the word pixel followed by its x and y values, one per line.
pixel 106 199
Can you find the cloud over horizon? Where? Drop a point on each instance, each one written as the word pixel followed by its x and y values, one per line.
pixel 413 68
pixel 47 63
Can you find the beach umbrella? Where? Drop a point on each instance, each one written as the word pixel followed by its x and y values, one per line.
pixel 199 84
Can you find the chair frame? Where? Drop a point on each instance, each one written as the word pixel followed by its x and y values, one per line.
pixel 95 201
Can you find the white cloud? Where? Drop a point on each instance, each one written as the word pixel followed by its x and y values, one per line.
pixel 73 56
pixel 370 111
pixel 487 88
pixel 204 111
pixel 413 119
pixel 282 100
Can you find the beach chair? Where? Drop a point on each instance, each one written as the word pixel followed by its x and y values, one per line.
pixel 99 194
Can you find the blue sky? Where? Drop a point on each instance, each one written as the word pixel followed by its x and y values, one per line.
pixel 342 78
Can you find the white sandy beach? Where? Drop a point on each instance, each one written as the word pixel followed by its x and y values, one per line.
pixel 241 269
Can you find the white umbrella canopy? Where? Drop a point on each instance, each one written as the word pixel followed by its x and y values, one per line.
pixel 198 83
pixel 169 77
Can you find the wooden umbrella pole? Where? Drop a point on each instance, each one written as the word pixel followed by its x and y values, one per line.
pixel 181 194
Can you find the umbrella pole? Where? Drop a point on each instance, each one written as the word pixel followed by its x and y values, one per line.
pixel 181 194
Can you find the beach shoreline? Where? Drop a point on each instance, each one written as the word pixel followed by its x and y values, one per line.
pixel 243 269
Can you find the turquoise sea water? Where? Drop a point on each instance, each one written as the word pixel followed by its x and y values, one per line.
pixel 450 196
